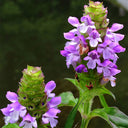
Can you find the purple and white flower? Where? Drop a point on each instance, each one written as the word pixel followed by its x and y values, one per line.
pixel 28 122
pixel 93 59
pixel 71 54
pixel 94 38
pixel 13 111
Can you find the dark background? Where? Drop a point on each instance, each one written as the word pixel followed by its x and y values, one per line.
pixel 31 33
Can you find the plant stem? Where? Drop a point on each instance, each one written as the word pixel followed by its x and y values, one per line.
pixel 103 101
pixel 87 109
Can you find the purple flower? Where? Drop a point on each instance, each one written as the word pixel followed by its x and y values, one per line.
pixel 110 78
pixel 52 112
pixel 28 122
pixel 71 54
pixel 50 116
pixel 87 24
pixel 115 37
pixel 49 87
pixel 94 38
pixel 107 51
pixel 13 111
pixel 107 68
pixel 81 68
pixel 54 102
pixel 93 59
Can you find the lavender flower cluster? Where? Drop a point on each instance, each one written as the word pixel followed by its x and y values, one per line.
pixel 86 48
pixel 14 111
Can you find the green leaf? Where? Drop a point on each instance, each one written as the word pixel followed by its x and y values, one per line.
pixel 117 118
pixel 100 113
pixel 103 90
pixel 71 116
pixel 75 82
pixel 11 126
pixel 67 99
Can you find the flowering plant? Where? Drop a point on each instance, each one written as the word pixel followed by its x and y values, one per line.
pixel 91 49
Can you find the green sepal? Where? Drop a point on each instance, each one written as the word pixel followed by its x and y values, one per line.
pixel 67 99
pixel 11 126
pixel 117 118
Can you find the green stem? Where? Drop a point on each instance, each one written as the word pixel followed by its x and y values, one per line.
pixel 84 123
pixel 103 101
pixel 87 109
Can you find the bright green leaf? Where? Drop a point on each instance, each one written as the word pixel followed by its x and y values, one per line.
pixel 67 99
pixel 117 118
pixel 11 126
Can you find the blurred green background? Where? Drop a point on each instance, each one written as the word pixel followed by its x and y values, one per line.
pixel 31 33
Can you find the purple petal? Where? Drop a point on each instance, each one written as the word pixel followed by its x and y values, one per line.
pixel 91 64
pixel 54 102
pixel 64 53
pixel 16 106
pixel 106 72
pixel 80 68
pixel 114 71
pixel 50 86
pixel 45 120
pixel 107 53
pixel 115 27
pixel 82 28
pixel 73 21
pixel 69 35
pixel 11 96
pixel 52 112
pixel 53 122
pixel 118 49
pixel 14 116
pixel 99 69
pixel 93 42
pixel 6 111
pixel 118 37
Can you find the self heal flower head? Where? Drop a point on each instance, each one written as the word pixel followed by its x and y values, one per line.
pixel 93 45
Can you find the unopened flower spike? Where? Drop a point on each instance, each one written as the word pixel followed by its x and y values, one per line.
pixel 35 104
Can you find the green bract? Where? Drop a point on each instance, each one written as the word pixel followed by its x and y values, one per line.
pixel 31 91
